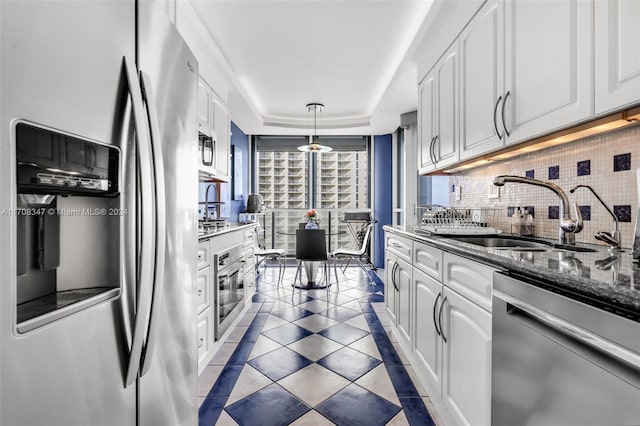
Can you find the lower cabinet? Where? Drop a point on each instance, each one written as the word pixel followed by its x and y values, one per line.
pixel 390 286
pixel 404 281
pixel 466 360
pixel 427 344
pixel 445 327
pixel 205 342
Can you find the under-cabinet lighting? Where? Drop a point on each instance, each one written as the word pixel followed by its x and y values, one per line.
pixel 602 125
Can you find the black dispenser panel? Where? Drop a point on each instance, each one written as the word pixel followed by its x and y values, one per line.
pixel 54 163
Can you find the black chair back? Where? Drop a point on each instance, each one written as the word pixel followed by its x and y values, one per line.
pixel 311 244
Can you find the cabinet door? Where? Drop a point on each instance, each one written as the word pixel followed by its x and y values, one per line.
pixel 389 287
pixel 617 56
pixel 404 280
pixel 446 145
pixel 466 377
pixel 205 107
pixel 482 81
pixel 222 137
pixel 427 344
pixel 426 122
pixel 548 68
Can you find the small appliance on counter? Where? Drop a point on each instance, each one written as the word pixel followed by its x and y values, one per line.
pixel 255 203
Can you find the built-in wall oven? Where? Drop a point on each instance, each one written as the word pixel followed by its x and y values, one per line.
pixel 230 291
pixel 559 361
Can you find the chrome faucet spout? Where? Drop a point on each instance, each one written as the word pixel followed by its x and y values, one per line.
pixel 206 201
pixel 612 239
pixel 568 227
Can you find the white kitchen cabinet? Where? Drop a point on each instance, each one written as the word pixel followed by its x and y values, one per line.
pixel 399 245
pixel 426 123
pixel 548 67
pixel 404 295
pixel 427 343
pixel 482 81
pixel 617 55
pixel 448 334
pixel 438 119
pixel 471 279
pixel 214 125
pixel 249 238
pixel 204 295
pixel 390 285
pixel 205 338
pixel 205 108
pixel 398 295
pixel 222 138
pixel 203 289
pixel 466 360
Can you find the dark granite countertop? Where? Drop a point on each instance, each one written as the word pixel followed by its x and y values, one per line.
pixel 230 228
pixel 603 278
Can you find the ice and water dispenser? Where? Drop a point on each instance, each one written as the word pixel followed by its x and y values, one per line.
pixel 68 219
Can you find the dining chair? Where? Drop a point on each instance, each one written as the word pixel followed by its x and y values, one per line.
pixel 353 254
pixel 274 253
pixel 311 246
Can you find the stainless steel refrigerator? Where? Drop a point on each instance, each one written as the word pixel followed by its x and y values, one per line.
pixel 98 196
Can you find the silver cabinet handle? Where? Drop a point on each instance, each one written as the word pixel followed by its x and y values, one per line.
pixel 146 224
pixel 433 161
pixel 495 119
pixel 393 275
pixel 200 292
pixel 534 317
pixel 160 222
pixel 435 306
pixel 396 245
pixel 440 319
pixel 504 123
pixel 200 342
pixel 435 155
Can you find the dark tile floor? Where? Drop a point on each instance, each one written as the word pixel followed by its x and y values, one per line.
pixel 305 358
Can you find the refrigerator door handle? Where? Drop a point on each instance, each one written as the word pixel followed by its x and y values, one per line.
pixel 146 248
pixel 161 222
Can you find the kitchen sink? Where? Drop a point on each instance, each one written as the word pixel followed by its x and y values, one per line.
pixel 518 244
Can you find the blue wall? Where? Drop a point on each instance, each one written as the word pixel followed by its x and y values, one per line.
pixel 383 201
pixel 241 143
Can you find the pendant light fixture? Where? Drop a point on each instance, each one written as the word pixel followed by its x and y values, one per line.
pixel 313 146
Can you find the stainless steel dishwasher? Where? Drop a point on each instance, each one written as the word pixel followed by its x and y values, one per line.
pixel 559 361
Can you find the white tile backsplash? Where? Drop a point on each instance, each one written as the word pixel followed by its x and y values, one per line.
pixel 615 188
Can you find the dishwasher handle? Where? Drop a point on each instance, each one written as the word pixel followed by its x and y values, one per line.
pixel 534 317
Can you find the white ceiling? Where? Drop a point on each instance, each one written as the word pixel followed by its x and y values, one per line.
pixel 349 55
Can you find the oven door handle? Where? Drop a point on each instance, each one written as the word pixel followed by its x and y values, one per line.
pixel 535 317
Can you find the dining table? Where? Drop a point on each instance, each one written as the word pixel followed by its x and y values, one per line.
pixel 310 266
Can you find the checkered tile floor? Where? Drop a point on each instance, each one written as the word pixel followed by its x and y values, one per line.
pixel 303 358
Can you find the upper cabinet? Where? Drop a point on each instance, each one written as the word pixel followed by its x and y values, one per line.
pixel 482 81
pixel 617 56
pixel 548 67
pixel 214 123
pixel 438 119
pixel 519 79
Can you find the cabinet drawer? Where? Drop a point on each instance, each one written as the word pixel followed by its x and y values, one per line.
pixel 249 237
pixel 203 288
pixel 400 246
pixel 203 254
pixel 471 279
pixel 427 259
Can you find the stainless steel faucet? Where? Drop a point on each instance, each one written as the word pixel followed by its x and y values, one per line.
pixel 206 201
pixel 568 227
pixel 613 238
